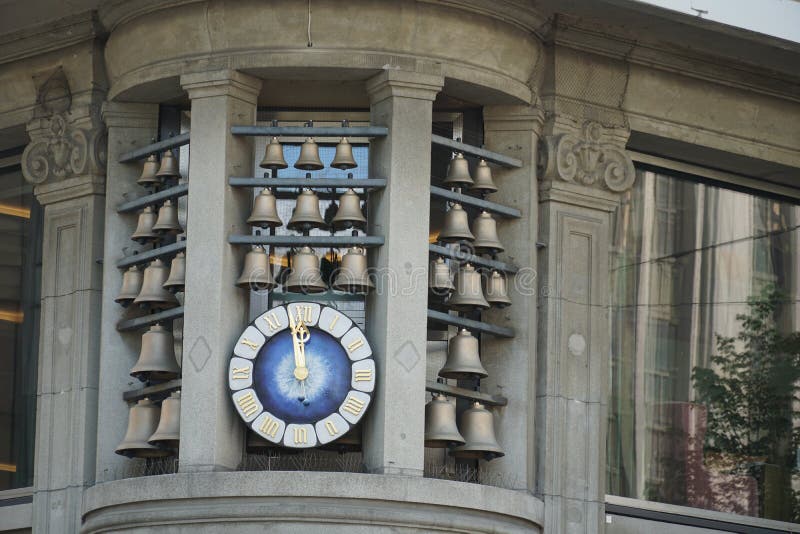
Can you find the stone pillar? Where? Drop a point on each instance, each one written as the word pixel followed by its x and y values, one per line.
pixel 511 363
pixel 397 324
pixel 130 126
pixel 66 161
pixel 584 165
pixel 216 311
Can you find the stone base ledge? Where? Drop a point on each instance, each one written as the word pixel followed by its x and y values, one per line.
pixel 288 501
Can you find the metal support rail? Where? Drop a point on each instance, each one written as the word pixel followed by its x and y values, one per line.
pixel 147 200
pixel 155 148
pixel 335 241
pixel 305 131
pixel 488 155
pixel 155 391
pixel 471 258
pixel 467 394
pixel 469 324
pixel 311 183
pixel 486 205
pixel 150 255
pixel 146 320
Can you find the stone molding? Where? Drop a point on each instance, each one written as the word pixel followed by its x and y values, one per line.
pixel 224 82
pixel 43 38
pixel 405 84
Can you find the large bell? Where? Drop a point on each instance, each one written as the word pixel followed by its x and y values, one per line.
pixel 149 169
pixel 142 423
pixel 169 166
pixel 349 214
pixel 458 172
pixel 483 182
pixel 484 228
pixel 256 273
pixel 177 273
pixel 144 227
pixel 153 292
pixel 131 285
pixel 463 358
pixel 157 357
pixel 309 156
pixel 496 292
pixel 456 226
pixel 305 276
pixel 344 156
pixel 169 424
pixel 168 219
pixel 440 281
pixel 440 423
pixel 273 156
pixel 306 213
pixel 265 211
pixel 353 276
pixel 469 293
pixel 477 427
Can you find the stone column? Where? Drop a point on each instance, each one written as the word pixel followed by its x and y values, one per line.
pixel 130 126
pixel 396 311
pixel 66 161
pixel 584 165
pixel 216 311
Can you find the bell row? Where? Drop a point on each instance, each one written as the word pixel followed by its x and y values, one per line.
pixel 458 175
pixel 152 226
pixel 469 291
pixel 306 214
pixel 472 438
pixel 153 430
pixel 155 287
pixel 155 174
pixel 309 156
pixel 483 235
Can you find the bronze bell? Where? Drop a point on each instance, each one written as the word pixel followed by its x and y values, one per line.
pixel 344 156
pixel 306 213
pixel 305 276
pixel 256 273
pixel 169 424
pixel 468 294
pixel 484 228
pixel 477 427
pixel 131 285
pixel 169 166
pixel 265 211
pixel 440 282
pixel 463 357
pixel 349 213
pixel 458 172
pixel 483 178
pixel 273 156
pixel 456 226
pixel 168 219
pixel 148 177
pixel 177 273
pixel 309 156
pixel 157 356
pixel 353 276
pixel 153 292
pixel 496 292
pixel 144 227
pixel 142 423
pixel 440 423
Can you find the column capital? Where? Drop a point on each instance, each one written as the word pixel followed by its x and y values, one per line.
pixel 405 84
pixel 224 82
pixel 129 115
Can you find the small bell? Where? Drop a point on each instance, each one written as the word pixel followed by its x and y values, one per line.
pixel 168 219
pixel 309 156
pixel 440 423
pixel 169 424
pixel 305 276
pixel 483 178
pixel 306 214
pixel 148 177
pixel 349 214
pixel 144 228
pixel 477 427
pixel 177 273
pixel 153 292
pixel 458 172
pixel 484 228
pixel 131 285
pixel 469 293
pixel 169 166
pixel 256 274
pixel 157 356
pixel 440 282
pixel 142 423
pixel 344 156
pixel 265 211
pixel 273 156
pixel 463 358
pixel 456 226
pixel 353 276
pixel 496 292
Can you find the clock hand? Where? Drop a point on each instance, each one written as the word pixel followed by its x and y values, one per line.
pixel 300 369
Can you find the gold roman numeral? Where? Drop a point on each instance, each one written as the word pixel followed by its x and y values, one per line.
pixel 241 373
pixel 269 427
pixel 331 428
pixel 247 403
pixel 333 323
pixel 353 405
pixel 357 344
pixel 363 375
pixel 303 313
pixel 300 435
pixel 272 321
pixel 252 344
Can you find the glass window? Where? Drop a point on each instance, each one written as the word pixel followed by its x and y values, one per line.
pixel 704 407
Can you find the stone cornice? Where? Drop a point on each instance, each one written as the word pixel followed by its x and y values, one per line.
pixel 49 37
pixel 221 83
pixel 406 84
pixel 518 13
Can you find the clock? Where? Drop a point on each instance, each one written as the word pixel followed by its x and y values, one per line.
pixel 301 375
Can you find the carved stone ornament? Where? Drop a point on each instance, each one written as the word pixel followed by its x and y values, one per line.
pixel 587 158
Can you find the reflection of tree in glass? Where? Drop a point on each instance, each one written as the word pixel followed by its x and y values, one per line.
pixel 751 396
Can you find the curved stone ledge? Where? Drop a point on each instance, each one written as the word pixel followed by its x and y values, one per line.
pixel 314 501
